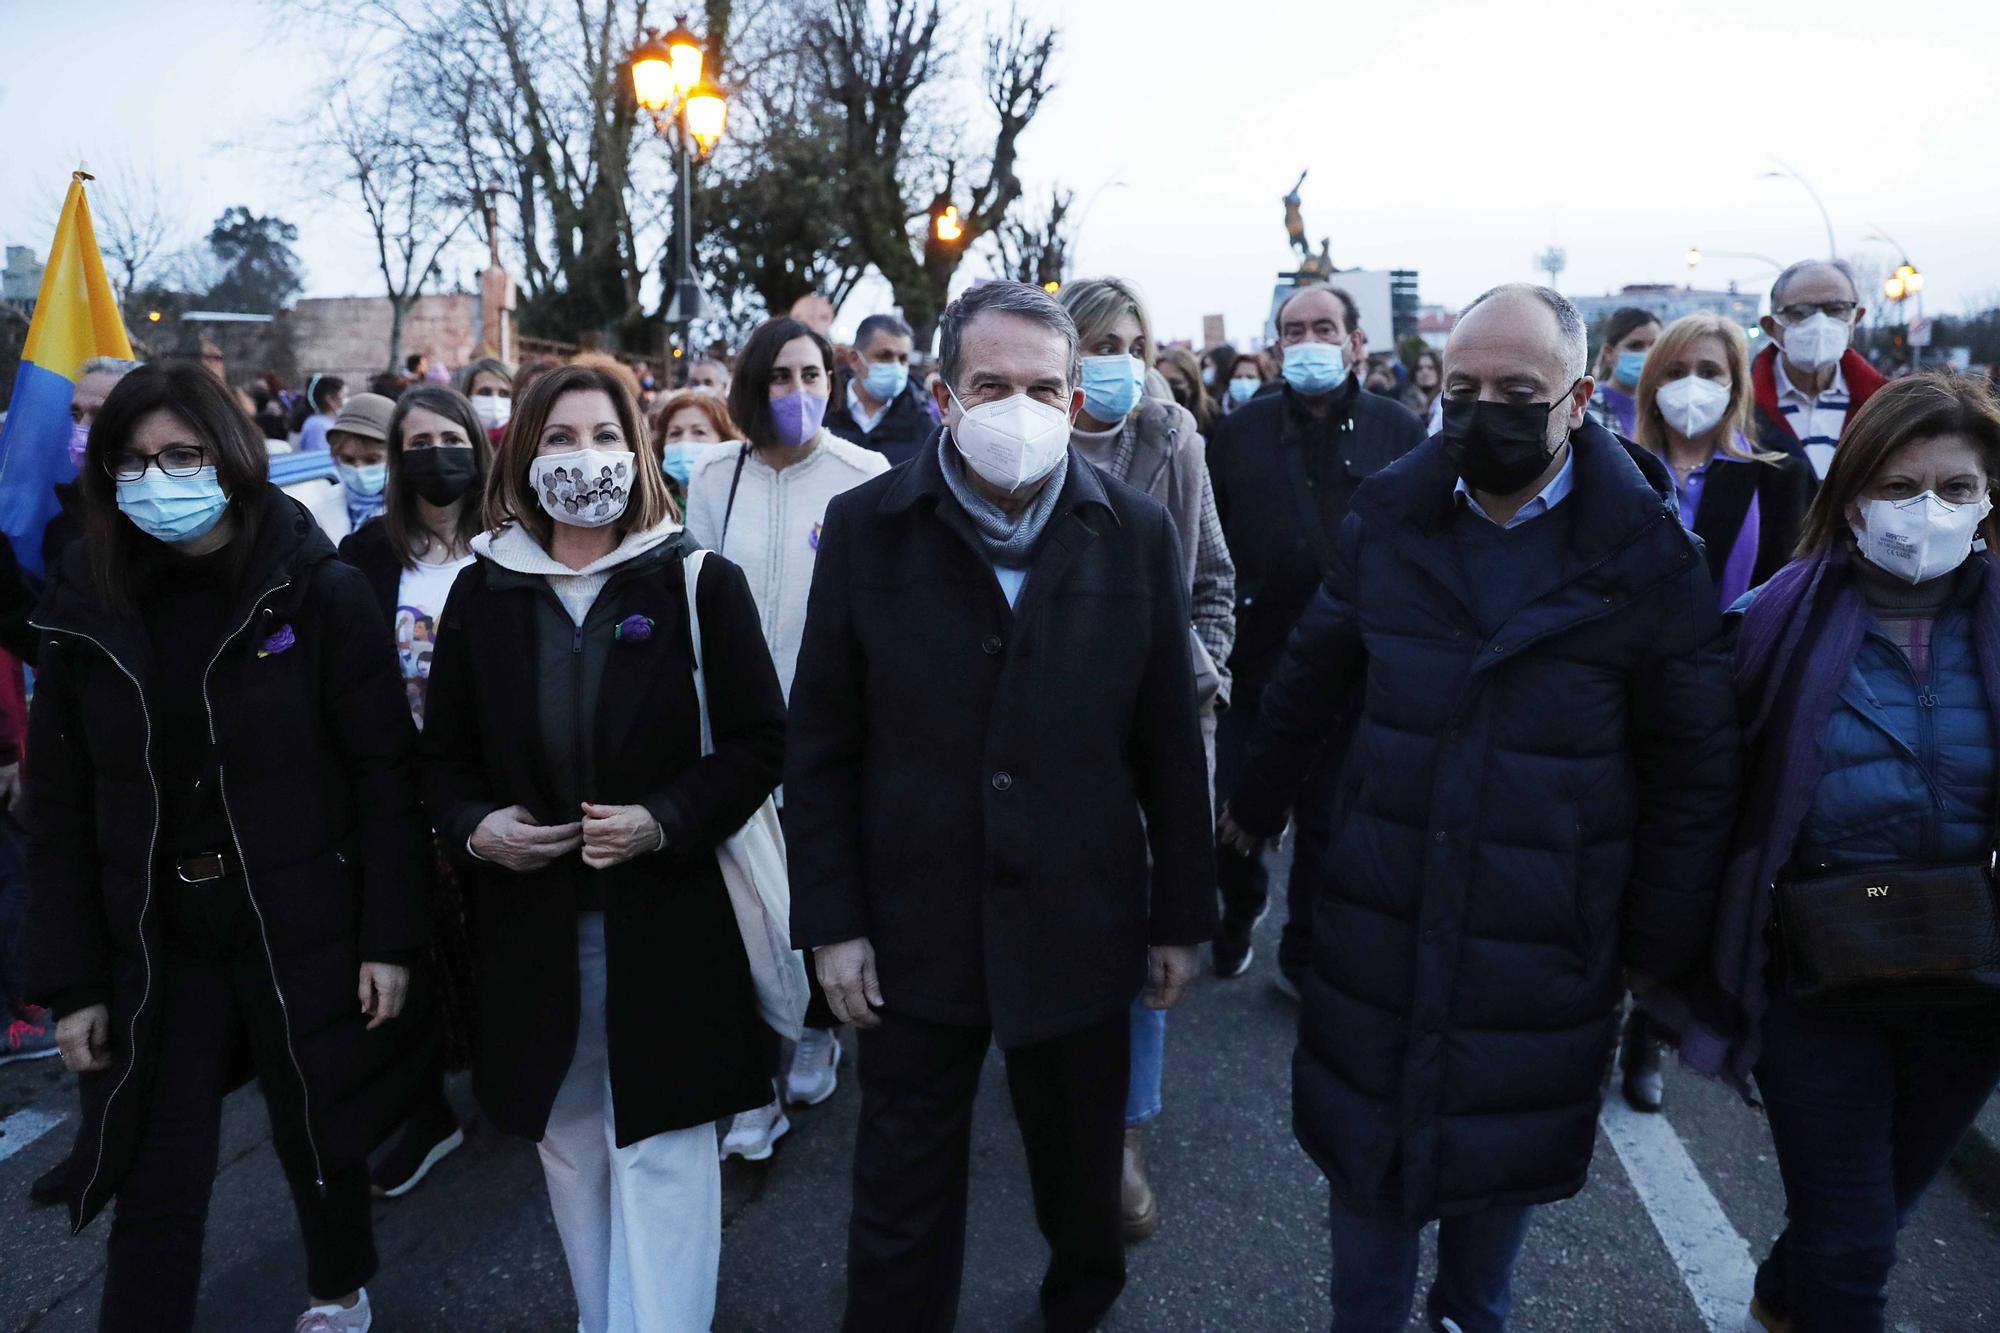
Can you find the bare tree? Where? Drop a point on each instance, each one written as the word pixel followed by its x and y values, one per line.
pixel 878 62
pixel 1034 247
pixel 414 204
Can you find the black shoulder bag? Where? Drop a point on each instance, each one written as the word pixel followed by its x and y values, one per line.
pixel 1892 939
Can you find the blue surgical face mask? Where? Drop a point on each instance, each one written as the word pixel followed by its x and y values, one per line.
pixel 677 460
pixel 1314 368
pixel 366 481
pixel 1243 388
pixel 174 509
pixel 1629 366
pixel 1111 386
pixel 885 379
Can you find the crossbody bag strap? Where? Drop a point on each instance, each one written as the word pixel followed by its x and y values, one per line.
pixel 691 571
pixel 734 481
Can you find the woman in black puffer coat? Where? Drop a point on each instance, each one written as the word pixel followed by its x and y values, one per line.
pixel 227 852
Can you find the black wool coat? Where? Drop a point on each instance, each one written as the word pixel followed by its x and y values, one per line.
pixel 319 785
pixel 975 788
pixel 369 550
pixel 1784 491
pixel 1281 513
pixel 1522 816
pixel 686 1043
pixel 905 425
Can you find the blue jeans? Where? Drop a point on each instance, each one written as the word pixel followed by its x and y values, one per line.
pixel 1375 1270
pixel 1149 1049
pixel 1864 1115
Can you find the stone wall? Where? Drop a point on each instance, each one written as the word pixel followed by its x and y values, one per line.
pixel 348 336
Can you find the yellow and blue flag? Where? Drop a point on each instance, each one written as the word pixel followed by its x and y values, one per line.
pixel 76 318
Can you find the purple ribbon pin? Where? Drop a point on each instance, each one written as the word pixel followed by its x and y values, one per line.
pixel 278 642
pixel 633 629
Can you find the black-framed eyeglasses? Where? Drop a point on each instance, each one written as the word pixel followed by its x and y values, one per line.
pixel 176 460
pixel 1799 314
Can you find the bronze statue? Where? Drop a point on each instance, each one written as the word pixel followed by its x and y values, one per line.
pixel 1312 267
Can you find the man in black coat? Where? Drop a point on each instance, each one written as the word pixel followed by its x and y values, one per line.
pixel 875 404
pixel 997 808
pixel 1284 467
pixel 1534 806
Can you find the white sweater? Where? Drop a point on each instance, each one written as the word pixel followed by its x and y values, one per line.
pixel 774 530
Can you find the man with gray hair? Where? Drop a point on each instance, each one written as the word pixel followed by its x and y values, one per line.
pixel 875 405
pixel 997 806
pixel 1808 380
pixel 1522 646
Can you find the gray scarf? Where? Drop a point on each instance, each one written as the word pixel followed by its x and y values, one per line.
pixel 1008 540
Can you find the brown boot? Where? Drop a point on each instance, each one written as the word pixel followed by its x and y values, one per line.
pixel 1142 1210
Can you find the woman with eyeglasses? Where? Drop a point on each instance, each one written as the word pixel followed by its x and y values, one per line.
pixel 438 458
pixel 226 849
pixel 1847 976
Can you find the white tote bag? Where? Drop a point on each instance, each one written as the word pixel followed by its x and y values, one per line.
pixel 753 866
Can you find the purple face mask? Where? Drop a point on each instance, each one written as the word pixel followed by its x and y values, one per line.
pixel 796 417
pixel 79 436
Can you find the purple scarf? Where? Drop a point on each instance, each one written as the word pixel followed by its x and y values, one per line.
pixel 1794 649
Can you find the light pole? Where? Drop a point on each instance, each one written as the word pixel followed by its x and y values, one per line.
pixel 1907 281
pixel 1791 173
pixel 1695 254
pixel 690 112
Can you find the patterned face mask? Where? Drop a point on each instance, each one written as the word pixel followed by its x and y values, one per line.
pixel 585 488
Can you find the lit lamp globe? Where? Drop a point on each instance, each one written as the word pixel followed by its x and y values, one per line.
pixel 653 75
pixel 707 112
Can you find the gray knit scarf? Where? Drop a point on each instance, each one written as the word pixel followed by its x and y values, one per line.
pixel 1008 540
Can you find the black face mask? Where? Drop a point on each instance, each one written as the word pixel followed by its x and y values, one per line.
pixel 1500 447
pixel 441 475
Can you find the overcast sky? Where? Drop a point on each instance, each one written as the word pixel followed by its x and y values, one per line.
pixel 1456 137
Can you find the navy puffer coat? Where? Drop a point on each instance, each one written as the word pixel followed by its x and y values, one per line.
pixel 1522 816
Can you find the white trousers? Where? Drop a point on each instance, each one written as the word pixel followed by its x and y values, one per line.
pixel 641 1226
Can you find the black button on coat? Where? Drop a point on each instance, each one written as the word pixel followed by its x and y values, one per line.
pixel 1522 816
pixel 686 1044
pixel 317 770
pixel 966 782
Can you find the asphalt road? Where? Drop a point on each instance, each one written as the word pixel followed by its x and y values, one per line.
pixel 1242 1247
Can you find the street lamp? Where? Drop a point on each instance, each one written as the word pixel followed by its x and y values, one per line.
pixel 690 112
pixel 947 225
pixel 1791 173
pixel 1900 286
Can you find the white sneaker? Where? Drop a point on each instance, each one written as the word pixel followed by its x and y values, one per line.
pixel 355 1318
pixel 753 1133
pixel 815 1071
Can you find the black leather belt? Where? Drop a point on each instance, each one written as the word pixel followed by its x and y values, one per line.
pixel 205 868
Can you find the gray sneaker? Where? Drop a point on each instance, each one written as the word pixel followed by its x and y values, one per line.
pixel 355 1318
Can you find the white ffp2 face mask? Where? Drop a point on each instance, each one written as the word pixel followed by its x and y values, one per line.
pixel 1817 342
pixel 1012 443
pixel 1692 405
pixel 1919 539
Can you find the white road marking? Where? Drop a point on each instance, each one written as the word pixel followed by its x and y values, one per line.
pixel 22 1128
pixel 1713 1258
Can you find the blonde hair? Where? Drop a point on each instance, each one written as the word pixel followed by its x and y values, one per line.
pixel 509 496
pixel 1649 427
pixel 1096 304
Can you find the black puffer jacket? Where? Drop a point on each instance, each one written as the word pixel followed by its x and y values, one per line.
pixel 1523 815
pixel 319 788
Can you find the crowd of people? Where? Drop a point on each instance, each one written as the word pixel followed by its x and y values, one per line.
pixel 642 747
